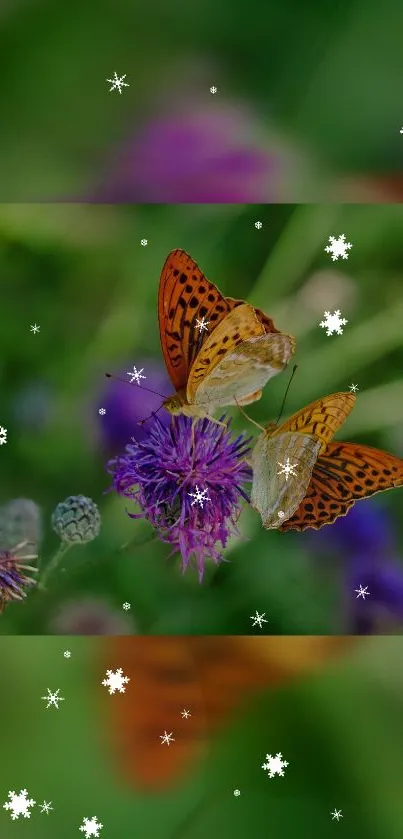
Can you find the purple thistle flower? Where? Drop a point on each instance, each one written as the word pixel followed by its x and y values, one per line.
pixel 13 580
pixel 160 472
pixel 204 154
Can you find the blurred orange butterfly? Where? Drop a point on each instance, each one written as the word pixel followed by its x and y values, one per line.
pixel 326 479
pixel 208 677
pixel 218 351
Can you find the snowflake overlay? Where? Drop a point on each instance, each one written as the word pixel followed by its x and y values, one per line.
pixel 213 89
pixel 53 698
pixel 337 814
pixel 126 606
pixel 275 765
pixel 35 328
pixel 333 323
pixel 19 804
pixel 258 619
pixel 3 435
pixel 167 738
pixel 117 82
pixel 287 469
pixel 199 497
pixel 91 827
pixel 115 681
pixel 258 225
pixel 135 376
pixel 202 324
pixel 338 247
pixel 45 807
pixel 362 592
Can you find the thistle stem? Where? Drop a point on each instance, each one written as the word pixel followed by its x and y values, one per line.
pixel 52 565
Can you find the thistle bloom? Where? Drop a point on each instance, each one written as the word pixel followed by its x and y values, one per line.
pixel 13 580
pixel 164 472
pixel 76 520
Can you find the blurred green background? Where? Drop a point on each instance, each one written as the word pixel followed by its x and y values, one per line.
pixel 340 731
pixel 81 273
pixel 325 78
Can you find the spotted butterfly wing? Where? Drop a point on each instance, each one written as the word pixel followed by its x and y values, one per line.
pixel 210 677
pixel 342 475
pixel 186 296
pixel 276 494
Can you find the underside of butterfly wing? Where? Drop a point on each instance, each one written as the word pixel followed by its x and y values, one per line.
pixel 273 491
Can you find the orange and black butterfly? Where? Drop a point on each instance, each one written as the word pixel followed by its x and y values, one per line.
pixel 218 351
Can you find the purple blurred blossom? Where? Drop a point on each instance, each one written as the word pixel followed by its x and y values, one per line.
pixel 204 154
pixel 126 405
pixel 160 472
pixel 364 542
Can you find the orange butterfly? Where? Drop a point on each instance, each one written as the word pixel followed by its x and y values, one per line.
pixel 326 479
pixel 218 351
pixel 211 677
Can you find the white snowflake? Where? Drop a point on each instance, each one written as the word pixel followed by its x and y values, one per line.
pixel 401 130
pixel 337 814
pixel 53 699
pixel 275 765
pixel 126 606
pixel 333 323
pixel 167 738
pixel 45 807
pixel 67 653
pixel 213 89
pixel 353 388
pixel 34 328
pixel 185 714
pixel 237 792
pixel 3 435
pixel 102 411
pixel 135 376
pixel 281 514
pixel 287 468
pixel 202 324
pixel 258 619
pixel 362 592
pixel 115 681
pixel 258 225
pixel 91 827
pixel 117 82
pixel 144 242
pixel 338 247
pixel 199 497
pixel 19 804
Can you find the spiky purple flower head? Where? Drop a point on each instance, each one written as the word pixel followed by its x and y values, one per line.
pixel 13 579
pixel 163 471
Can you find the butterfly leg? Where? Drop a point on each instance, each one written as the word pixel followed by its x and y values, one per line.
pixel 246 415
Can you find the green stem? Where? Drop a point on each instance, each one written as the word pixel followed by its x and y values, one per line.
pixel 52 565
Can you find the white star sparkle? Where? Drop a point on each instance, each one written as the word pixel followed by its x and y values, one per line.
pixel 258 619
pixel 53 699
pixel 362 592
pixel 353 388
pixel 45 807
pixel 199 497
pixel 135 375
pixel 167 738
pixel 287 468
pixel 34 328
pixel 337 814
pixel 117 82
pixel 202 324
pixel 185 714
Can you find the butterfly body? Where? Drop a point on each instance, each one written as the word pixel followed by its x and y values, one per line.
pixel 329 477
pixel 228 360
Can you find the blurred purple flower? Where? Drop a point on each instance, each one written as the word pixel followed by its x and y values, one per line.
pixel 207 154
pixel 364 541
pixel 126 405
pixel 89 616
pixel 172 462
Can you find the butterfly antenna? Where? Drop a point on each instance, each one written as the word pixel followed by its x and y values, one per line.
pixel 153 414
pixel 260 427
pixel 125 382
pixel 294 370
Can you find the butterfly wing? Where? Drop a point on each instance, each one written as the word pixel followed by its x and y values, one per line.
pixel 184 296
pixel 344 474
pixel 271 491
pixel 237 359
pixel 321 418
